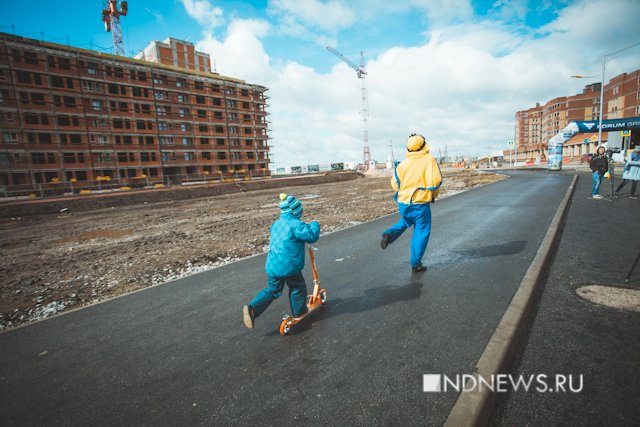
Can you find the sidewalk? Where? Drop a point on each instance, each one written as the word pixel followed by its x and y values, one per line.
pixel 571 335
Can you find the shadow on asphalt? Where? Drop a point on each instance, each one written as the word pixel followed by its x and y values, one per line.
pixel 508 248
pixel 456 256
pixel 373 298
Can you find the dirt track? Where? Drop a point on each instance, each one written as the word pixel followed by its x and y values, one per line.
pixel 54 262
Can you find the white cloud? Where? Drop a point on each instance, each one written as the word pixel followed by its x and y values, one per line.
pixel 444 11
pixel 461 88
pixel 156 14
pixel 511 9
pixel 241 53
pixel 329 16
pixel 204 12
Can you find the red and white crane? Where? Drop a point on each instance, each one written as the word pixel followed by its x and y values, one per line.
pixel 111 18
pixel 361 73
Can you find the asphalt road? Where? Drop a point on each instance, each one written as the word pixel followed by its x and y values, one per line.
pixel 572 336
pixel 177 354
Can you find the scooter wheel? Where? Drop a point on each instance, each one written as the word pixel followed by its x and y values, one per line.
pixel 323 296
pixel 285 326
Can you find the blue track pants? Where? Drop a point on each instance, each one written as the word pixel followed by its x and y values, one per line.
pixel 418 216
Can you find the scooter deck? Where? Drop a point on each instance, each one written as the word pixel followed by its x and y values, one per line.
pixel 317 299
pixel 314 302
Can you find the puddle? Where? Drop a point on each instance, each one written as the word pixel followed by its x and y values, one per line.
pixel 96 234
pixel 620 298
pixel 309 196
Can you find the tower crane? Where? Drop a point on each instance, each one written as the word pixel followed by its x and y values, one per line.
pixel 111 18
pixel 361 73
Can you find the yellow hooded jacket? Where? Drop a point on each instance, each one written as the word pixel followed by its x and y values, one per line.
pixel 419 177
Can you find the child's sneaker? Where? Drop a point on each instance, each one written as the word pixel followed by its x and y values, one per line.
pixel 633 197
pixel 306 310
pixel 597 196
pixel 385 241
pixel 248 316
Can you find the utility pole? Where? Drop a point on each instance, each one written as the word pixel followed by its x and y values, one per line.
pixel 393 160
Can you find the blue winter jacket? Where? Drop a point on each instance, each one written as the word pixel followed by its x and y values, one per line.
pixel 286 245
pixel 632 167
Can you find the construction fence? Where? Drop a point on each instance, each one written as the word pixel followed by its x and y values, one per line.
pixel 106 184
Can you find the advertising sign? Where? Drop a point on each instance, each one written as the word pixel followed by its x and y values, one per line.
pixel 608 125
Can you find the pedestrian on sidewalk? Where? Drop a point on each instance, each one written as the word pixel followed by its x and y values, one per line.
pixel 631 172
pixel 285 261
pixel 599 165
pixel 417 181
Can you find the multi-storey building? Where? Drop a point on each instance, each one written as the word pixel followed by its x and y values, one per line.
pixel 529 126
pixel 74 115
pixel 535 126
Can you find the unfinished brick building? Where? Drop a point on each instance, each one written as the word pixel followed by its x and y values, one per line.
pixel 73 117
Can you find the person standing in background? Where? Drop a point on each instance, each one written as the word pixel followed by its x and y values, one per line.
pixel 599 165
pixel 631 173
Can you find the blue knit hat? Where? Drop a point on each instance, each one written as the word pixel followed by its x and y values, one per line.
pixel 289 204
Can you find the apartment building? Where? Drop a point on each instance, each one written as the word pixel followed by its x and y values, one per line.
pixel 529 126
pixel 535 126
pixel 70 115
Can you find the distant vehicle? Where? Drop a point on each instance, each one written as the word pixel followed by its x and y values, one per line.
pixel 586 158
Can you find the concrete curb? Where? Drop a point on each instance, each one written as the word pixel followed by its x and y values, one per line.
pixel 474 408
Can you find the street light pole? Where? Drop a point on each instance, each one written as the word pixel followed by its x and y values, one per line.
pixel 604 58
pixel 604 64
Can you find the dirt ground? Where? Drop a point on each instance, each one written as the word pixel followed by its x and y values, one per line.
pixel 51 263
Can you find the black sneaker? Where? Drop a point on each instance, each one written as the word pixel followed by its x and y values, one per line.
pixel 385 241
pixel 248 316
pixel 419 269
pixel 633 197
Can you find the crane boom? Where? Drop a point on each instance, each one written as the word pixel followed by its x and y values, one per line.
pixel 359 69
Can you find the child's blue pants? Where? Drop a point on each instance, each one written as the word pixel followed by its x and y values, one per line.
pixel 418 215
pixel 297 294
pixel 597 180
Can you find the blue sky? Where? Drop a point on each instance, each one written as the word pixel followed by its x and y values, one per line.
pixel 370 31
pixel 454 70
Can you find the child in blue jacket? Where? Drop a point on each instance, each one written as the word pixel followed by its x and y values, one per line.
pixel 285 261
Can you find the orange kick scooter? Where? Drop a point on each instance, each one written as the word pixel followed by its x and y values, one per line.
pixel 317 299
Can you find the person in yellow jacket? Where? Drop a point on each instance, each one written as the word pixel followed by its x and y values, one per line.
pixel 417 181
